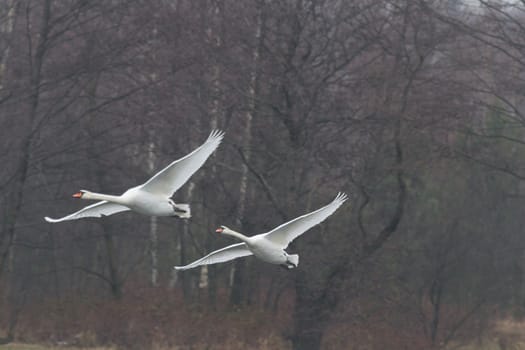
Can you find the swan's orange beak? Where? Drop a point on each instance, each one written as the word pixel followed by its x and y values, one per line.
pixel 219 230
pixel 78 195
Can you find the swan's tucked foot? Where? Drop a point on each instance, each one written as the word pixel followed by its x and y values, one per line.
pixel 288 265
pixel 292 261
pixel 181 210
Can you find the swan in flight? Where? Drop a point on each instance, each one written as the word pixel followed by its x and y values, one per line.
pixel 270 246
pixel 153 197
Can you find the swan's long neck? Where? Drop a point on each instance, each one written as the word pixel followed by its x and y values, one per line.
pixel 102 197
pixel 236 235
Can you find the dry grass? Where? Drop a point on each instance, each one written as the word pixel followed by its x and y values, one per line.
pixel 506 334
pixel 151 319
pixel 231 334
pixel 18 346
pixel 161 320
pixel 271 343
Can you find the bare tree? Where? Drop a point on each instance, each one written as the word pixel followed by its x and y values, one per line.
pixel 239 268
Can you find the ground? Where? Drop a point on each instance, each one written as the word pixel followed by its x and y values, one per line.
pixel 505 335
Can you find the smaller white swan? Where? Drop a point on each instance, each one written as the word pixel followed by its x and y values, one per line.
pixel 270 246
pixel 153 197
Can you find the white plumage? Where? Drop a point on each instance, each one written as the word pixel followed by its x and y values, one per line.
pixel 153 197
pixel 269 247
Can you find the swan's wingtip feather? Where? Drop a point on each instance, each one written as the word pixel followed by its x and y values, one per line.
pixel 341 197
pixel 216 134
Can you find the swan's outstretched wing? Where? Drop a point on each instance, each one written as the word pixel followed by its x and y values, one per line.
pixel 96 210
pixel 287 232
pixel 171 178
pixel 225 254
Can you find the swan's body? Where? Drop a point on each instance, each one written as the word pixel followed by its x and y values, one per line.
pixel 269 247
pixel 152 198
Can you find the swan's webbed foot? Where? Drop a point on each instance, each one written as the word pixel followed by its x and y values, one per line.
pixel 181 210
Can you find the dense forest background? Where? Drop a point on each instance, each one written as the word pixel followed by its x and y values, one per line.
pixel 413 108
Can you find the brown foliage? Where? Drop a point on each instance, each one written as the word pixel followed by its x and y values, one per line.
pixel 151 318
pixel 159 318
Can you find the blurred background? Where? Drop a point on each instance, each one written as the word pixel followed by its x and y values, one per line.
pixel 413 108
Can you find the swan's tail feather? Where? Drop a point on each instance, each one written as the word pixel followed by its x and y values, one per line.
pixel 183 211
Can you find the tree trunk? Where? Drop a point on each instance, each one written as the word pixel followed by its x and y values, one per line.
pixel 314 307
pixel 98 174
pixel 434 294
pixel 314 304
pixel 153 237
pixel 8 253
pixel 114 280
pixel 185 278
pixel 213 36
pixel 11 294
pixel 6 29
pixel 60 323
pixel 239 268
pixel 310 336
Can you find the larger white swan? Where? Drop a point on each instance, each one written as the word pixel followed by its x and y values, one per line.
pixel 269 247
pixel 153 197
